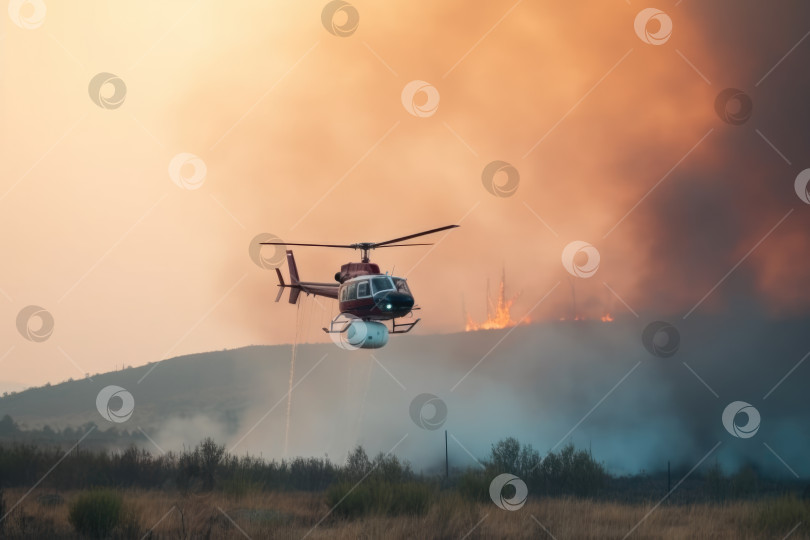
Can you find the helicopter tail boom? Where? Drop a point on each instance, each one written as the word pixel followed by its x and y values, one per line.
pixel 330 290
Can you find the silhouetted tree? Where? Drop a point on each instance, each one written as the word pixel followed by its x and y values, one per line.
pixel 505 454
pixel 358 464
pixel 715 482
pixel 7 426
pixel 210 455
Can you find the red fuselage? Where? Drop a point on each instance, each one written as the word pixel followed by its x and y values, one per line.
pixel 375 297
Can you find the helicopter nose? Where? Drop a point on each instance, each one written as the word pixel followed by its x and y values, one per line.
pixel 395 302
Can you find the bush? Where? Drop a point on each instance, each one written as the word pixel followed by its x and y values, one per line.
pixel 567 472
pixel 349 503
pixel 778 516
pixel 96 513
pixel 715 482
pixel 198 470
pixel 508 455
pixel 239 485
pixel 379 497
pixel 473 485
pixel 411 498
pixel 745 483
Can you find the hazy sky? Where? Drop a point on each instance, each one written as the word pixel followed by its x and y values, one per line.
pixel 305 135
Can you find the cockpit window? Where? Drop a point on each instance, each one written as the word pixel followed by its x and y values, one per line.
pixel 362 289
pixel 382 283
pixel 351 293
pixel 401 285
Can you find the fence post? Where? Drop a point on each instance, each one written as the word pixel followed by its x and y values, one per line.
pixel 446 460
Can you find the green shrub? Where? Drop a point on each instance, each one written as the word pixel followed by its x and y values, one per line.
pixel 780 515
pixel 379 497
pixel 410 498
pixel 96 513
pixel 473 485
pixel 715 482
pixel 567 472
pixel 129 526
pixel 745 483
pixel 239 485
pixel 349 503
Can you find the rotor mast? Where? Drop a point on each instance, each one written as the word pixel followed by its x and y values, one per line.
pixel 364 248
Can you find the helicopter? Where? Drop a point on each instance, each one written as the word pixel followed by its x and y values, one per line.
pixel 366 297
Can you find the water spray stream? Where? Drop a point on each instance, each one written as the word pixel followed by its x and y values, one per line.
pixel 292 375
pixel 363 400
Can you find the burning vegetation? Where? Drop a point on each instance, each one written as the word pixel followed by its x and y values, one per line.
pixel 498 313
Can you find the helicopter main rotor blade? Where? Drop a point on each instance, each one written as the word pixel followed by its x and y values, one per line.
pixel 404 245
pixel 313 245
pixel 395 240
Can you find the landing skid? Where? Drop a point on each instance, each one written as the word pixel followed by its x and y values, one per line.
pixel 340 325
pixel 402 328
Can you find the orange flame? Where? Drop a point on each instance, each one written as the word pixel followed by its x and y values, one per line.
pixel 499 317
pixel 607 318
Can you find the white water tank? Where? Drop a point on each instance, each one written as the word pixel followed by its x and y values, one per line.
pixel 367 334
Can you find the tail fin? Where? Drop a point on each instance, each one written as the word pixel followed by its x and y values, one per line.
pixel 293 286
pixel 293 268
pixel 294 291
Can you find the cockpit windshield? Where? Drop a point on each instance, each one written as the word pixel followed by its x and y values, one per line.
pixel 381 283
pixel 401 285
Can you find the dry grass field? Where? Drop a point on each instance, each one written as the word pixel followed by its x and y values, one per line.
pixel 158 514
